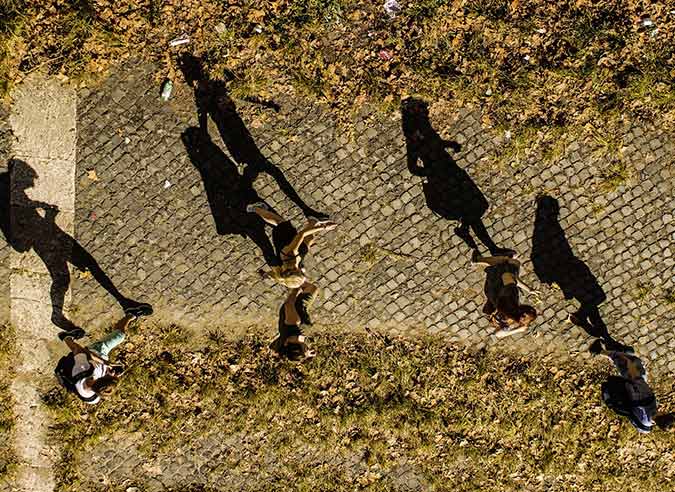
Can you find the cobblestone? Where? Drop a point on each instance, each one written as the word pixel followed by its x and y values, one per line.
pixel 160 243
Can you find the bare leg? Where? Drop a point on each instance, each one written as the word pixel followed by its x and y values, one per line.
pixel 309 240
pixel 124 323
pixel 269 216
pixel 489 260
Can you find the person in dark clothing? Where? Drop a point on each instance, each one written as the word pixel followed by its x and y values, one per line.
pixel 449 190
pixel 25 229
pixel 628 394
pixel 502 286
pixel 291 343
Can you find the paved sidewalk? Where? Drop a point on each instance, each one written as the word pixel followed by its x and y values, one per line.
pixel 392 264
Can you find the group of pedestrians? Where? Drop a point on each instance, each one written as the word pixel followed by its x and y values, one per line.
pixel 88 372
pixel 450 193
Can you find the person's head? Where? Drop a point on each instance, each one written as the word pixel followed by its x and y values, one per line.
pixel 22 175
pixel 512 315
pixel 295 349
pixel 104 385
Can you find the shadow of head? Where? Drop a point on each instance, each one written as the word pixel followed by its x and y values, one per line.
pixel 192 68
pixel 22 175
pixel 547 207
pixel 415 117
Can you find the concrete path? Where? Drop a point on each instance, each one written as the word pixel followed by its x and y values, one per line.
pixel 43 120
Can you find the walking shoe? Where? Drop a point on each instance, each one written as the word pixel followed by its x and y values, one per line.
pixel 305 300
pixel 75 333
pixel 250 208
pixel 139 310
pixel 505 332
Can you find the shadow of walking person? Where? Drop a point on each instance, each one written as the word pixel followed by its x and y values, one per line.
pixel 449 190
pixel 554 262
pixel 25 229
pixel 212 99
pixel 227 191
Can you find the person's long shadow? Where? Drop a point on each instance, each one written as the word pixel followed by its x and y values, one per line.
pixel 212 99
pixel 449 190
pixel 25 228
pixel 554 262
pixel 227 191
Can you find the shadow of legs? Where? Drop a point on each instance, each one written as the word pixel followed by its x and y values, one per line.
pixel 83 260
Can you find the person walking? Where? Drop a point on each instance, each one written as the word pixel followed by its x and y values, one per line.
pixel 87 371
pixel 502 285
pixel 291 246
pixel 628 394
pixel 291 343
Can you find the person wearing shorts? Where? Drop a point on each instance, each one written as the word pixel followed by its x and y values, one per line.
pixel 629 394
pixel 93 360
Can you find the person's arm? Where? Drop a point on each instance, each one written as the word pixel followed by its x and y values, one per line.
pixel 292 249
pixel 523 286
pixel 76 349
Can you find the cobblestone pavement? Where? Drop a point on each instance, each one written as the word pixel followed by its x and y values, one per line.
pixel 392 264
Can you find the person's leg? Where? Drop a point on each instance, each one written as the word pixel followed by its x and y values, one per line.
pixel 307 296
pixel 265 214
pixel 489 260
pixel 104 346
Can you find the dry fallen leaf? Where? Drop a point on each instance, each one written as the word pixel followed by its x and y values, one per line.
pixel 91 174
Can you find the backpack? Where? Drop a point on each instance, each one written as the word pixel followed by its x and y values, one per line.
pixel 64 374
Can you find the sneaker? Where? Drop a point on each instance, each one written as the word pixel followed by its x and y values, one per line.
pixel 139 310
pixel 250 208
pixel 75 333
pixel 505 332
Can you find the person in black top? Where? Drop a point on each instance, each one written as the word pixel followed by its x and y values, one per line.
pixel 502 304
pixel 291 342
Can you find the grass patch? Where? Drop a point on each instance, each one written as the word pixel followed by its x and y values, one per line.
pixel 368 403
pixel 615 175
pixel 536 68
pixel 7 361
